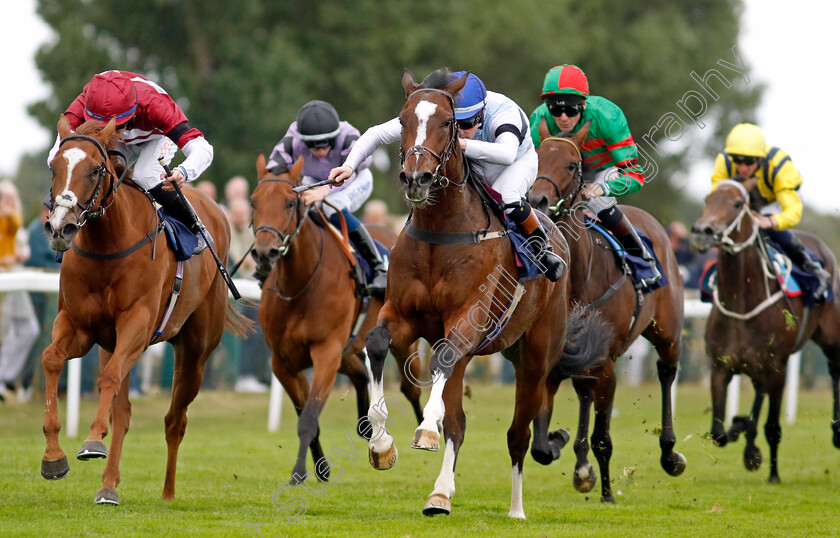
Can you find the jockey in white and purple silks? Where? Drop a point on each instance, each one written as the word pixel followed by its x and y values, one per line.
pixel 324 142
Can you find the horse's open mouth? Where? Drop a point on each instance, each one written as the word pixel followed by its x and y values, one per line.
pixel 702 242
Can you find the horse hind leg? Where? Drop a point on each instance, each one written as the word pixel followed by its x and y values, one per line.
pixel 601 440
pixel 834 370
pixel 672 462
pixel 355 369
pixel 772 428
pixel 584 478
pixel 546 446
pixel 410 367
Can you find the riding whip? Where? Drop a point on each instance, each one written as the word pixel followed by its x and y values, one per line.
pixel 197 221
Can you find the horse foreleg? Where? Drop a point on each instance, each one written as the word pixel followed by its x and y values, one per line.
pixel 325 360
pixel 120 419
pixel 354 368
pixel 584 478
pixel 772 428
pixel 720 378
pixel 834 370
pixel 530 394
pixel 672 462
pixel 410 368
pixel 382 452
pixel 752 455
pixel 546 446
pixel 66 343
pixel 454 428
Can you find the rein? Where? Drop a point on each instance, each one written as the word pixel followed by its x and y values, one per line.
pixel 285 239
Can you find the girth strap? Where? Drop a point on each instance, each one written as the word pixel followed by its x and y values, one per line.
pixel 173 299
pixel 452 238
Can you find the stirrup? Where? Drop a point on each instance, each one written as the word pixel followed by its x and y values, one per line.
pixel 202 244
pixel 554 265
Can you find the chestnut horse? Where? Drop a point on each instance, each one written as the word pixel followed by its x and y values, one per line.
pixel 309 310
pixel 448 285
pixel 116 280
pixel 602 285
pixel 752 329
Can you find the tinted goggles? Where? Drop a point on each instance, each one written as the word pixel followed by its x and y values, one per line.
pixel 469 123
pixel 318 144
pixel 558 109
pixel 743 159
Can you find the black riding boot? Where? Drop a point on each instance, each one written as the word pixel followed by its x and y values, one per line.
pixel 367 248
pixel 176 207
pixel 624 232
pixel 549 263
pixel 798 255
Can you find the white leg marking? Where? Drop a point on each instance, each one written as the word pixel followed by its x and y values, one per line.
pixel 433 412
pixel 516 509
pixel 445 483
pixel 424 111
pixel 380 439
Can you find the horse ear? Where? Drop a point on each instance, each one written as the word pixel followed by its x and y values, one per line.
pixel 108 131
pixel 580 136
pixel 260 166
pixel 749 184
pixel 457 85
pixel 543 128
pixel 294 173
pixel 408 83
pixel 63 127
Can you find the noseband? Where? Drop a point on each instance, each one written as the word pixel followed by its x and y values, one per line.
pixel 725 240
pixel 555 210
pixel 427 153
pixel 283 238
pixel 70 202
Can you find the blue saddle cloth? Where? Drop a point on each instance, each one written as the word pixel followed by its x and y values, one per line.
pixel 180 239
pixel 363 263
pixel 639 268
pixel 794 281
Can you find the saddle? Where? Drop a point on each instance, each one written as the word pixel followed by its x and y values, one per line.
pixel 633 266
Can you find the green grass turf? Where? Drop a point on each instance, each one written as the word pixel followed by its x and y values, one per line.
pixel 230 468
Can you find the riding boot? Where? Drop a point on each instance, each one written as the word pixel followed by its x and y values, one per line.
pixel 178 208
pixel 632 243
pixel 367 248
pixel 549 263
pixel 798 255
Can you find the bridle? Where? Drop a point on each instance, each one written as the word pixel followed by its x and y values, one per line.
pixel 725 241
pixel 284 238
pixel 427 153
pixel 69 201
pixel 556 209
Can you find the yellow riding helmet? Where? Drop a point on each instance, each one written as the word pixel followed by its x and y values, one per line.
pixel 746 139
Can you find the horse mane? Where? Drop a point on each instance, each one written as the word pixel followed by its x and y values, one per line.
pixel 437 79
pixel 93 128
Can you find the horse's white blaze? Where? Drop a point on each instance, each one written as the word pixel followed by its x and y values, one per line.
pixel 73 156
pixel 433 412
pixel 445 483
pixel 380 439
pixel 424 111
pixel 516 509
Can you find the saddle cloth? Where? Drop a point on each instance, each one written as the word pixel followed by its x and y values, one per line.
pixel 180 239
pixel 639 268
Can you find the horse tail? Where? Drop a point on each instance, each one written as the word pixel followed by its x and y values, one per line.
pixel 236 323
pixel 588 336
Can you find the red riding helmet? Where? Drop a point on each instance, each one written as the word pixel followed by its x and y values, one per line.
pixel 110 95
pixel 567 80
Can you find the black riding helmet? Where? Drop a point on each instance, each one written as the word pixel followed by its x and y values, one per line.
pixel 318 124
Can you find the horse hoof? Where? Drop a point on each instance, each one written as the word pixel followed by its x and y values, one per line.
pixel 107 496
pixel 837 437
pixel 426 440
pixel 385 460
pixel 437 504
pixel 560 437
pixel 92 449
pixel 609 499
pixel 55 470
pixel 774 479
pixel 752 459
pixel 585 478
pixel 674 463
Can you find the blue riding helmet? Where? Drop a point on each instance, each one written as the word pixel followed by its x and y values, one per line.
pixel 471 99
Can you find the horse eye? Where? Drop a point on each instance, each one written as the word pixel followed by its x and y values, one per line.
pixel 572 166
pixel 291 204
pixel 739 204
pixel 448 123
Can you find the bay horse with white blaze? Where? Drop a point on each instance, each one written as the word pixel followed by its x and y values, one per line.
pixel 116 280
pixel 602 285
pixel 754 327
pixel 309 311
pixel 448 285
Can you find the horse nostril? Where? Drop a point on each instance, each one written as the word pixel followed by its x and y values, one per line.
pixel 541 203
pixel 403 178
pixel 69 230
pixel 426 179
pixel 273 254
pixel 48 229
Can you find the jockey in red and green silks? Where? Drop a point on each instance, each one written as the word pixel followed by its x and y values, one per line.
pixel 610 156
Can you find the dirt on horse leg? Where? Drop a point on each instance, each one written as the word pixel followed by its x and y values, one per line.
pixel 672 462
pixel 752 455
pixel 584 478
pixel 602 399
pixel 721 376
pixel 772 428
pixel 454 428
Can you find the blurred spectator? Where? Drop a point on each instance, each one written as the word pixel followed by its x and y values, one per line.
pixel 209 188
pixel 690 263
pixel 236 188
pixel 18 325
pixel 252 352
pixel 376 212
